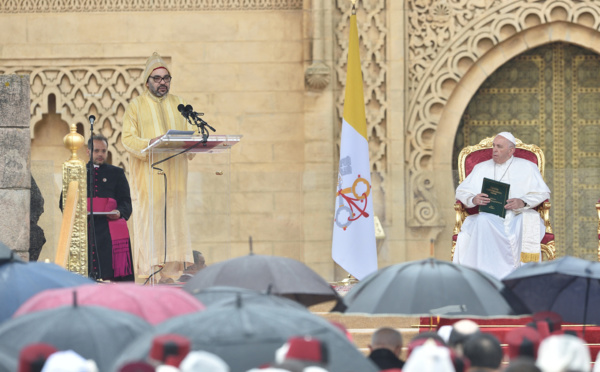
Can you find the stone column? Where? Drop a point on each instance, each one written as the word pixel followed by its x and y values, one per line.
pixel 15 177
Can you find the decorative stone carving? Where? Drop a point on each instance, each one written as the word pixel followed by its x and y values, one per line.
pixel 446 38
pixel 53 6
pixel 372 33
pixel 101 89
pixel 318 75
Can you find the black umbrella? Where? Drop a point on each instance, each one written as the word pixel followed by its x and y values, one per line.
pixel 285 276
pixel 20 280
pixel 227 296
pixel 7 254
pixel 432 287
pixel 568 286
pixel 93 332
pixel 247 336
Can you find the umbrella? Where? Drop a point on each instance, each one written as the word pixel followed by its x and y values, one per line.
pixel 227 296
pixel 247 336
pixel 7 254
pixel 20 280
pixel 153 304
pixel 285 276
pixel 432 287
pixel 568 286
pixel 8 363
pixel 93 332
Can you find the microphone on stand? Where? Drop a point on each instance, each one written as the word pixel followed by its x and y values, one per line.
pixel 184 110
pixel 92 119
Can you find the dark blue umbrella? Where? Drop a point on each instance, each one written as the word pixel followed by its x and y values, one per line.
pixel 20 280
pixel 247 336
pixel 227 296
pixel 282 276
pixel 93 332
pixel 568 286
pixel 432 287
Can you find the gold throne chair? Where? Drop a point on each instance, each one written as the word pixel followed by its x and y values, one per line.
pixel 473 155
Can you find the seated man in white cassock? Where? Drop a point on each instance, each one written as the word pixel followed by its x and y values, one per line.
pixel 491 243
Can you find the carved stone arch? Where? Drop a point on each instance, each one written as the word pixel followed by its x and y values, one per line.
pixel 459 100
pixel 445 74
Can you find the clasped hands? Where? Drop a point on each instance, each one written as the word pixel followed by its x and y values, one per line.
pixel 483 199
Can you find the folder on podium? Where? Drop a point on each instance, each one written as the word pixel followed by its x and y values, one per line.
pixel 207 201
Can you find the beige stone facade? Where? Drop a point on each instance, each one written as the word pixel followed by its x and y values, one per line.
pixel 274 72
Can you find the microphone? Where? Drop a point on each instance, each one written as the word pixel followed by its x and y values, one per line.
pixel 183 109
pixel 92 119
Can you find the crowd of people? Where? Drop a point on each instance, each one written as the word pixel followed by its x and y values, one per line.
pixel 541 346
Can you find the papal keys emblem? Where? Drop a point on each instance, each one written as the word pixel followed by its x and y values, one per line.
pixel 352 202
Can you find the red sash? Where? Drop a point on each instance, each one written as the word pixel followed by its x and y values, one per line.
pixel 119 234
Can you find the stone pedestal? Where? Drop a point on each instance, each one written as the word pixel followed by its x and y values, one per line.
pixel 15 177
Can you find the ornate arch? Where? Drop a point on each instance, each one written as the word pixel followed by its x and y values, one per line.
pixel 451 55
pixel 81 89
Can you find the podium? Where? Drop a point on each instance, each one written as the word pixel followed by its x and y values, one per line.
pixel 188 206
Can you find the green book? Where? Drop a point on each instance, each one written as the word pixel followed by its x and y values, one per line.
pixel 498 194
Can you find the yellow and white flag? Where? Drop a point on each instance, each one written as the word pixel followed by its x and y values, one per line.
pixel 353 245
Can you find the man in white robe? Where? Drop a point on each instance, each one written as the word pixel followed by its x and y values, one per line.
pixel 491 243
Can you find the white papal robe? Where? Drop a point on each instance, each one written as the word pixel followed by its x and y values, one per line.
pixel 494 244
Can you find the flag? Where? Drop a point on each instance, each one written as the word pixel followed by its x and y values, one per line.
pixel 353 246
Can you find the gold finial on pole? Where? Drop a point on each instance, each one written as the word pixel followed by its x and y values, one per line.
pixel 353 7
pixel 73 141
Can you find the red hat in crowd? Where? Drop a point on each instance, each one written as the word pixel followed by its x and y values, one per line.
pixel 33 357
pixel 553 319
pixel 170 349
pixel 306 349
pixel 523 342
pixel 542 327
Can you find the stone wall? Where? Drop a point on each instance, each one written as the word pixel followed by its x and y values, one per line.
pixel 15 179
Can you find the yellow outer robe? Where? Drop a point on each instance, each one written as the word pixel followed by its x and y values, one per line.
pixel 147 117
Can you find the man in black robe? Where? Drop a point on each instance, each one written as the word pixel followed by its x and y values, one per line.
pixel 111 196
pixel 109 249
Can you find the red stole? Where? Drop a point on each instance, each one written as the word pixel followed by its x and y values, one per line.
pixel 119 234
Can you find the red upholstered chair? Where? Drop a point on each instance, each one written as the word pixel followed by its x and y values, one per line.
pixel 472 155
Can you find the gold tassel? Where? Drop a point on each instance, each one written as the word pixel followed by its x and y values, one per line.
pixel 530 257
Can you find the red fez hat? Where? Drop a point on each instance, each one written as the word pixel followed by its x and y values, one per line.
pixel 33 357
pixel 542 327
pixel 553 319
pixel 523 342
pixel 171 347
pixel 307 349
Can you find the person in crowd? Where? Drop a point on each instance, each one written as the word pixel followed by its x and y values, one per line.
pixel 203 361
pixel 385 348
pixel 461 330
pixel 33 357
pixel 429 357
pixel 563 353
pixel 491 243
pixel 522 343
pixel 484 352
pixel 522 364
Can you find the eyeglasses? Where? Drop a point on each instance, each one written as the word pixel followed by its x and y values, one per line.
pixel 158 79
